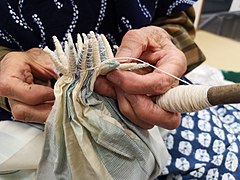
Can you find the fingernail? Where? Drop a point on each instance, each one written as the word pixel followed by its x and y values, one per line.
pixel 124 52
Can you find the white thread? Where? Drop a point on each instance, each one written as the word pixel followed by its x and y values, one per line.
pixel 131 58
pixel 132 66
pixel 184 98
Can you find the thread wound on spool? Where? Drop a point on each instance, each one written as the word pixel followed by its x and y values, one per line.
pixel 184 98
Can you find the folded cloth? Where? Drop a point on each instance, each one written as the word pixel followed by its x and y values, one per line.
pixel 86 136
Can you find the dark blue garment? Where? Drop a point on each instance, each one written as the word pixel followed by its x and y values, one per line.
pixel 4 115
pixel 28 24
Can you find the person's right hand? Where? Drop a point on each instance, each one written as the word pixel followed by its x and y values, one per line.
pixel 25 81
pixel 133 90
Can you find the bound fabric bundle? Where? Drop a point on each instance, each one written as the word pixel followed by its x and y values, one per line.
pixel 86 137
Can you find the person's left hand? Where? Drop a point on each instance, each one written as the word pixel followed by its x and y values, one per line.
pixel 132 90
pixel 25 81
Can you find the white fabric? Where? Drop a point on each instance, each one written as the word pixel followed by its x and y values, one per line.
pixel 20 149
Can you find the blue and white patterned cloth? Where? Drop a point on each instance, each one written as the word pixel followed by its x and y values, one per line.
pixel 206 145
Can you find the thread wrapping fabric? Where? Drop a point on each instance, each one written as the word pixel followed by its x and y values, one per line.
pixel 86 136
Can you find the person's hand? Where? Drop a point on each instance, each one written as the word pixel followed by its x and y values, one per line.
pixel 132 90
pixel 25 81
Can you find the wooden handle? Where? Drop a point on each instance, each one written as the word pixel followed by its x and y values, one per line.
pixel 226 94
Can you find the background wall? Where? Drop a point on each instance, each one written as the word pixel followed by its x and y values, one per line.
pixel 218 33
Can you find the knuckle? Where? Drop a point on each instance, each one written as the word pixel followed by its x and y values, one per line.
pixel 163 85
pixel 12 56
pixel 34 49
pixel 9 55
pixel 137 36
pixel 132 33
pixel 21 112
pixel 18 112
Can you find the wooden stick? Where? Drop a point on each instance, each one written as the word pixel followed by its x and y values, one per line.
pixel 226 94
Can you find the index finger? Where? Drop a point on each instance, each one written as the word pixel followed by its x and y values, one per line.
pixel 30 94
pixel 152 83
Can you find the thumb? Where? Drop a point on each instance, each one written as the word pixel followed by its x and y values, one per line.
pixel 124 52
pixel 132 45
